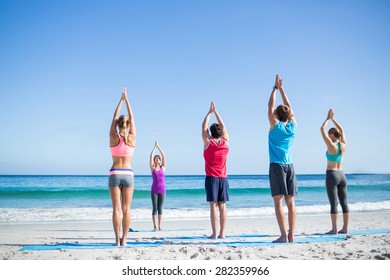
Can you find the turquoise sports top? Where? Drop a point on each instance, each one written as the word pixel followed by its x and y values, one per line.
pixel 338 157
pixel 280 140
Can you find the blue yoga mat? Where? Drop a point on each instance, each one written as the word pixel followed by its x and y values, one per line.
pixel 368 231
pixel 203 237
pixel 77 246
pixel 360 232
pixel 248 236
pixel 185 238
pixel 309 239
pixel 165 230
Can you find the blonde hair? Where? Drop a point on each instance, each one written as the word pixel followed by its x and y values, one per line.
pixel 122 123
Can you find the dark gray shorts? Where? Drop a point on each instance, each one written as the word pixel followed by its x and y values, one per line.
pixel 282 179
pixel 121 180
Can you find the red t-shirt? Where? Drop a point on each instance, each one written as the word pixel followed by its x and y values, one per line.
pixel 215 158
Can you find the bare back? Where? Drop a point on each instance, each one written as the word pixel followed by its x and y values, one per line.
pixel 121 161
pixel 333 165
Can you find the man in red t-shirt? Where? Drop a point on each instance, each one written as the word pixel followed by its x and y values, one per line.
pixel 216 182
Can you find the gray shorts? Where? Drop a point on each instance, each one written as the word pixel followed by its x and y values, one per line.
pixel 121 180
pixel 282 179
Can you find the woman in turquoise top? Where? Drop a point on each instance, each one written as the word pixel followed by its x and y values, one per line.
pixel 336 182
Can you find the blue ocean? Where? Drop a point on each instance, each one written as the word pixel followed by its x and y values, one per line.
pixel 31 199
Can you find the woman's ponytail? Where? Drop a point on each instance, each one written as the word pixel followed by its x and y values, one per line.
pixel 123 124
pixel 337 134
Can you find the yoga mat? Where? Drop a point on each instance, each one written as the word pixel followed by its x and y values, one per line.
pixel 202 237
pixel 367 231
pixel 165 230
pixel 309 239
pixel 76 246
pixel 247 236
pixel 359 232
pixel 186 238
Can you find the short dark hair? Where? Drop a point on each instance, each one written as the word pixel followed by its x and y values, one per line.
pixel 283 112
pixel 216 130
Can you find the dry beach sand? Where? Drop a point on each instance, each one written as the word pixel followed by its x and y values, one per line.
pixel 186 240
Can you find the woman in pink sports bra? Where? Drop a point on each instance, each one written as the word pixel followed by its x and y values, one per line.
pixel 121 179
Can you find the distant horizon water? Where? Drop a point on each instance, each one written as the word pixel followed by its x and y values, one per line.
pixel 53 198
pixel 233 174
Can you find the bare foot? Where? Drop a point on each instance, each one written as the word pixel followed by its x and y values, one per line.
pixel 123 242
pixel 332 232
pixel 281 239
pixel 221 236
pixel 343 231
pixel 290 237
pixel 212 236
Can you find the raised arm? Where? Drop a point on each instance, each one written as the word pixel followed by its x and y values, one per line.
pixel 343 139
pixel 205 125
pixel 220 121
pixel 286 101
pixel 163 160
pixel 113 132
pixel 325 136
pixel 151 162
pixel 132 132
pixel 271 107
pixel 271 104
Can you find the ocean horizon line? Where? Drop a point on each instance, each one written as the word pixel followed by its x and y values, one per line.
pixel 177 175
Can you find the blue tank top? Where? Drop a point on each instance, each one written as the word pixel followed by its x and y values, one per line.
pixel 280 140
pixel 338 157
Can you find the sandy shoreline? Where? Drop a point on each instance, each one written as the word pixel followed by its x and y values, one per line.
pixel 355 247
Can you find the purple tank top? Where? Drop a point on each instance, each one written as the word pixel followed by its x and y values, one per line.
pixel 158 186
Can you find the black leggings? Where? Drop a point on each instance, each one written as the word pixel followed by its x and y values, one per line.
pixel 336 187
pixel 158 202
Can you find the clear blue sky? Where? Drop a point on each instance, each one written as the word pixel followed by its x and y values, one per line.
pixel 63 65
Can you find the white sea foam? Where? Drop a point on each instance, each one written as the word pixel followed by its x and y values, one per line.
pixel 50 215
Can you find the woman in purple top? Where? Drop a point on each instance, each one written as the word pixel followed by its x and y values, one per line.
pixel 157 168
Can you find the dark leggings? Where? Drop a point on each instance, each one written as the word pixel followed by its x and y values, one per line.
pixel 336 187
pixel 158 202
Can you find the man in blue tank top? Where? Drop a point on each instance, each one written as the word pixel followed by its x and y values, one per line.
pixel 281 170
